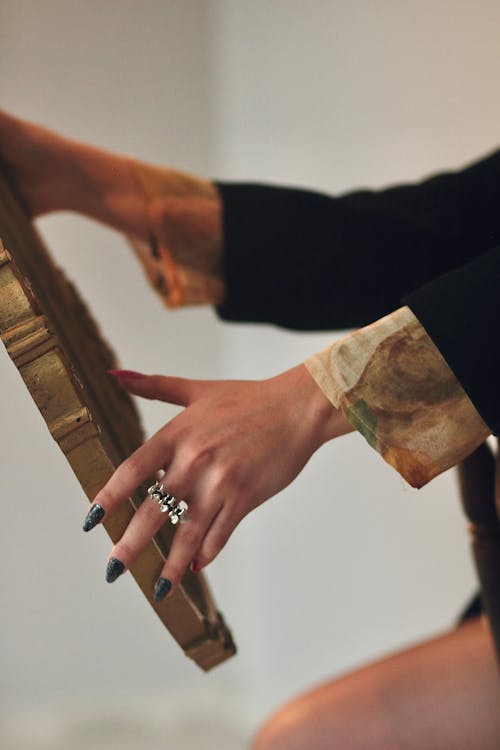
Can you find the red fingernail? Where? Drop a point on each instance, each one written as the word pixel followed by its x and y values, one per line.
pixel 196 567
pixel 131 374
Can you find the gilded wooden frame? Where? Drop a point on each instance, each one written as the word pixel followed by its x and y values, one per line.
pixel 57 347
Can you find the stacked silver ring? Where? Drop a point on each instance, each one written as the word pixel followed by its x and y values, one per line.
pixel 176 509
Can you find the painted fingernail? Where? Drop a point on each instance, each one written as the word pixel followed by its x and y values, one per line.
pixel 115 568
pixel 95 514
pixel 196 566
pixel 163 586
pixel 131 374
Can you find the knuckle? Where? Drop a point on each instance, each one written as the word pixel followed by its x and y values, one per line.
pixel 214 544
pixel 173 573
pixel 132 465
pixel 177 488
pixel 199 456
pixel 244 500
pixel 104 498
pixel 166 434
pixel 225 478
pixel 150 511
pixel 126 552
pixel 191 535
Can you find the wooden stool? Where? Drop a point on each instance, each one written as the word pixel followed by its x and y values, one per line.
pixel 479 477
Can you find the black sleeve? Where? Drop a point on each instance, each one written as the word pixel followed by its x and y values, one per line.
pixel 461 313
pixel 308 261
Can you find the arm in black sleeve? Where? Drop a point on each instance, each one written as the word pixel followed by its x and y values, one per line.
pixel 461 313
pixel 308 261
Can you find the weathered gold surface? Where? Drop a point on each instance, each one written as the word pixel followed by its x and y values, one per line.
pixel 58 350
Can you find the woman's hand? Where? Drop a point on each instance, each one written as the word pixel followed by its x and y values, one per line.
pixel 236 444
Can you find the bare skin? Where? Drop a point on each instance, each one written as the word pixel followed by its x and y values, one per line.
pixel 54 173
pixel 443 694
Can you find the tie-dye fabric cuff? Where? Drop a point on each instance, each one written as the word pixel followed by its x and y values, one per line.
pixel 396 389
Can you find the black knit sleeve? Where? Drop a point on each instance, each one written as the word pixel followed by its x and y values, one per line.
pixel 461 313
pixel 309 261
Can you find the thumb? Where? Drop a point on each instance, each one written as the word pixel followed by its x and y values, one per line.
pixel 179 391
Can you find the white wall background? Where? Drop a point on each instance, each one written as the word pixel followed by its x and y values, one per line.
pixel 330 95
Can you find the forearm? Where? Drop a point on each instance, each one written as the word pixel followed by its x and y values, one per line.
pixel 51 173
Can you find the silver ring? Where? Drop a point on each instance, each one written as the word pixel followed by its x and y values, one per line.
pixel 176 509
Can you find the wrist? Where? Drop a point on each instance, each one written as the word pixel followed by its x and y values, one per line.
pixel 315 412
pixel 328 420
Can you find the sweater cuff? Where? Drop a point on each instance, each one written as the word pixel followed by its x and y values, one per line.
pixel 176 284
pixel 396 389
pixel 182 256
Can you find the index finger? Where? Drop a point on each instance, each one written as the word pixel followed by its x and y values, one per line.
pixel 141 464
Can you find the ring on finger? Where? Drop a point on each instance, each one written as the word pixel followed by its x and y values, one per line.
pixel 176 509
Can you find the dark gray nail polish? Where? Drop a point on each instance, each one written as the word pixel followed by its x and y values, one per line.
pixel 163 586
pixel 115 568
pixel 95 514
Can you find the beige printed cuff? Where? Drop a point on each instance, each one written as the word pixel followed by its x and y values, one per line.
pixel 396 389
